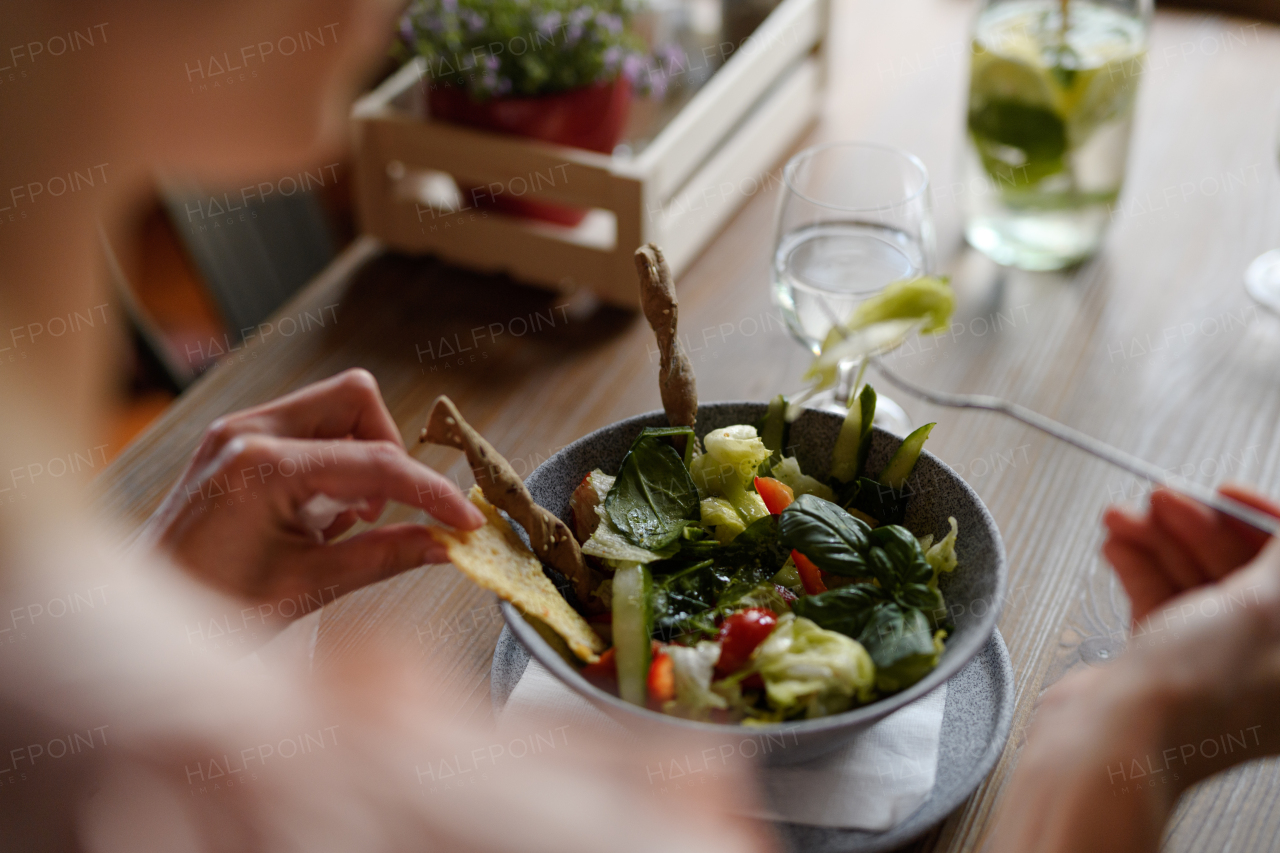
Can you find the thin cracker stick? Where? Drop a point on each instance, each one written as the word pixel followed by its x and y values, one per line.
pixel 550 537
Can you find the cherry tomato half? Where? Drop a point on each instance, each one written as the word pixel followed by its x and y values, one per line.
pixel 776 494
pixel 740 633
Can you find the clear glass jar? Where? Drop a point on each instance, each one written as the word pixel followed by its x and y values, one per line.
pixel 1051 94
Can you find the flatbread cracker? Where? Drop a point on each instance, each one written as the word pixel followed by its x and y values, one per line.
pixel 496 559
pixel 551 538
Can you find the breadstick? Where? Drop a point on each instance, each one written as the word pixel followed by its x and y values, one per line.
pixel 675 375
pixel 551 538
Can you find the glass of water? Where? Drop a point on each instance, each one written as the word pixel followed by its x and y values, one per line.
pixel 854 217
pixel 1262 278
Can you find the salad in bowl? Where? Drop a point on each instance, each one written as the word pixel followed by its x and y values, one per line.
pixel 734 563
pixel 737 588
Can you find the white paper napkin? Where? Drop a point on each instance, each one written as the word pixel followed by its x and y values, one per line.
pixel 873 783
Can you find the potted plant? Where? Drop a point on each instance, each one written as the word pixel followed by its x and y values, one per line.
pixel 562 71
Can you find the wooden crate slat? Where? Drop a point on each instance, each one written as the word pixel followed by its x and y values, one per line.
pixel 793 29
pixel 526 254
pixel 685 225
pixel 738 126
pixel 554 173
pixel 378 102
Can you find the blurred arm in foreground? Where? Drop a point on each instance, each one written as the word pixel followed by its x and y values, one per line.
pixel 1112 749
pixel 118 730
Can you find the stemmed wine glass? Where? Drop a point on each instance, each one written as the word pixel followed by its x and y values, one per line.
pixel 854 217
pixel 1262 278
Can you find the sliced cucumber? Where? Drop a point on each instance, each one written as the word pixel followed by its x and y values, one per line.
pixel 854 442
pixel 775 424
pixel 867 403
pixel 895 474
pixel 844 456
pixel 632 626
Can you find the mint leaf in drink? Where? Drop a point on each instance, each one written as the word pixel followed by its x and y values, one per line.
pixel 1019 144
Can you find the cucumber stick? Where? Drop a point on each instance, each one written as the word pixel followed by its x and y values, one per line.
pixel 632 626
pixel 904 458
pixel 844 456
pixel 867 402
pixel 854 441
pixel 775 424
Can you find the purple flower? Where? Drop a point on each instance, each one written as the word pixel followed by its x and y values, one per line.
pixel 549 23
pixel 406 29
pixel 503 87
pixel 611 58
pixel 672 58
pixel 580 15
pixel 449 6
pixel 609 22
pixel 492 63
pixel 657 84
pixel 474 20
pixel 632 67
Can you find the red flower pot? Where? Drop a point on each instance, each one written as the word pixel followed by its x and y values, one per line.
pixel 591 117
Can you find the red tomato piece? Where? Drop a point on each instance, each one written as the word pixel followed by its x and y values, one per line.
pixel 604 672
pixel 810 575
pixel 740 633
pixel 776 494
pixel 662 680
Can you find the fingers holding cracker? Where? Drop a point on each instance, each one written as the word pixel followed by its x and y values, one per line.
pixel 551 538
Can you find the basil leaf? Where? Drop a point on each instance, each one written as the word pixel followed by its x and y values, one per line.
pixel 654 498
pixel 671 431
pixel 834 540
pixel 927 599
pixel 905 555
pixel 845 609
pixel 893 633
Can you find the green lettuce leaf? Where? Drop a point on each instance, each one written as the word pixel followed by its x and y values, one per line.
pixel 693 668
pixel 941 555
pixel 812 672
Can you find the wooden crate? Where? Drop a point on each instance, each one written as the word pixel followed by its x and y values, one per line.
pixel 678 191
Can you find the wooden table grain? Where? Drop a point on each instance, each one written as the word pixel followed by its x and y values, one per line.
pixel 1152 346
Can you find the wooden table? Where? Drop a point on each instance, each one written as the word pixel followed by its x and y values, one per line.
pixel 1152 346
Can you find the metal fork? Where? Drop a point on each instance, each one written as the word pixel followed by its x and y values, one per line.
pixel 1142 468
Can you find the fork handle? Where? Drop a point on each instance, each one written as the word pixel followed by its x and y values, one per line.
pixel 1158 476
pixel 1155 474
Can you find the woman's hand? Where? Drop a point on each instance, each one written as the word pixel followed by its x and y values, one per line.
pixel 1179 545
pixel 236 518
pixel 1112 749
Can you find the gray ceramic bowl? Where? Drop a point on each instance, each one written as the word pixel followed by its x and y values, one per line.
pixel 974 591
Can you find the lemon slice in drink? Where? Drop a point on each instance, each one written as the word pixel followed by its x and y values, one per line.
pixel 1001 78
pixel 1102 95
